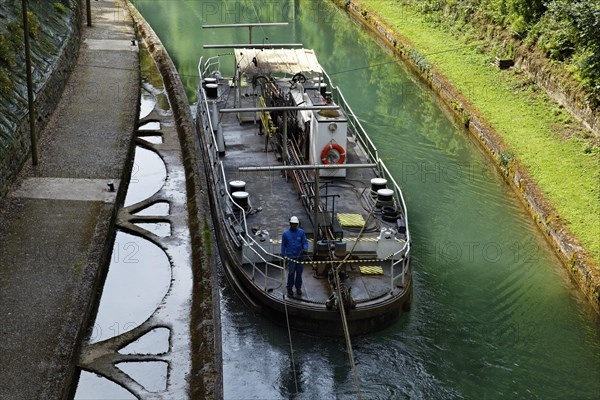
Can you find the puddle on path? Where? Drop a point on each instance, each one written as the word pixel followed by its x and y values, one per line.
pixel 147 103
pixel 93 387
pixel 160 208
pixel 152 375
pixel 160 229
pixel 138 279
pixel 148 175
pixel 154 139
pixel 154 342
pixel 150 126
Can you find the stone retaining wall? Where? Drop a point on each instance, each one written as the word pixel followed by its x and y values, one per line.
pixel 556 84
pixel 581 267
pixel 46 100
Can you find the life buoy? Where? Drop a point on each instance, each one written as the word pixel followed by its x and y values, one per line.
pixel 333 147
pixel 299 77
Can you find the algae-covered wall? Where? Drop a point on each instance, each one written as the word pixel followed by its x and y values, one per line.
pixel 54 39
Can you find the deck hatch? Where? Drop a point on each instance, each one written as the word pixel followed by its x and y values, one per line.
pixel 370 270
pixel 351 220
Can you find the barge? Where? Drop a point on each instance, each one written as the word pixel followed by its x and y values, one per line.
pixel 278 140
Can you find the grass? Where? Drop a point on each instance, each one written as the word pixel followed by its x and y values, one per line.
pixel 558 154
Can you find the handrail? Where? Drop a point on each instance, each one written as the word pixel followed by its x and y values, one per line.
pixel 267 263
pixel 210 125
pixel 247 238
pixel 362 135
pixel 202 99
pixel 361 132
pixel 398 193
pixel 373 155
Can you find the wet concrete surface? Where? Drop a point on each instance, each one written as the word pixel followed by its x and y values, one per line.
pixel 138 279
pixel 55 224
pixel 141 338
pixel 149 286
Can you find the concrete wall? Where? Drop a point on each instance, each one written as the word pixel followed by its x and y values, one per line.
pixel 46 99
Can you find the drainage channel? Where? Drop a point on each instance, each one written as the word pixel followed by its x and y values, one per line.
pixel 140 344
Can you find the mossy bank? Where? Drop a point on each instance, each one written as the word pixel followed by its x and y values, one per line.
pixel 548 158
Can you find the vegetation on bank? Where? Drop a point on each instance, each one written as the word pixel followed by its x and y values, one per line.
pixel 566 31
pixel 559 154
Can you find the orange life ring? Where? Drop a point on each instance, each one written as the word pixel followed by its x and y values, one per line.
pixel 330 147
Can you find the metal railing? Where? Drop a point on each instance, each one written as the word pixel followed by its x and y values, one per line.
pixel 373 156
pixel 210 62
pixel 211 65
pixel 368 146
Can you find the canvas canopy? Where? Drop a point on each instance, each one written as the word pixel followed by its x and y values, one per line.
pixel 284 61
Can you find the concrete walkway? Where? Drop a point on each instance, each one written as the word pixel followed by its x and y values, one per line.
pixel 56 223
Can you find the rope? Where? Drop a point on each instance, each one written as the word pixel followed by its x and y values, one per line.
pixel 287 319
pixel 347 335
pixel 343 310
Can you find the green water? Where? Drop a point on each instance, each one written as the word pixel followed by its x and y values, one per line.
pixel 493 316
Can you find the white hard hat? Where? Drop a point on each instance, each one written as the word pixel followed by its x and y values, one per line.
pixel 294 220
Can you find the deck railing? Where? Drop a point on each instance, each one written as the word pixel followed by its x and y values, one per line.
pixel 353 121
pixel 218 174
pixel 372 154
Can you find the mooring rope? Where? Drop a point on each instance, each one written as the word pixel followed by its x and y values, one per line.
pixel 347 335
pixel 343 310
pixel 287 319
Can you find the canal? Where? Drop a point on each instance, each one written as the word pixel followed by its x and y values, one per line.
pixel 494 315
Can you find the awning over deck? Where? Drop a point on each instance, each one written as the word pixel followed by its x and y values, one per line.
pixel 283 61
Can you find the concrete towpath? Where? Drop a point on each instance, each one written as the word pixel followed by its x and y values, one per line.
pixel 56 222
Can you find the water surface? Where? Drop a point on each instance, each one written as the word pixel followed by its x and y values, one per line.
pixel 493 316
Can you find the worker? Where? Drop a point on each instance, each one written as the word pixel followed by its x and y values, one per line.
pixel 293 246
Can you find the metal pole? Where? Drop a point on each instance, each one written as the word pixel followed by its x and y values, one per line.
pixel 282 108
pixel 304 167
pixel 285 138
pixel 88 12
pixel 254 46
pixel 34 154
pixel 250 25
pixel 316 204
